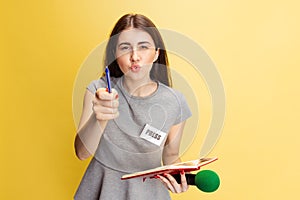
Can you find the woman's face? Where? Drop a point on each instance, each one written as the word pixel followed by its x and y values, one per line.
pixel 135 53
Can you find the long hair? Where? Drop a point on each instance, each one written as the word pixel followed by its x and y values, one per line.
pixel 160 69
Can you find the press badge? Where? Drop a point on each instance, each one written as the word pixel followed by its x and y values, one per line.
pixel 153 135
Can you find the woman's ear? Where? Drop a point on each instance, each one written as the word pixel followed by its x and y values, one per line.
pixel 156 54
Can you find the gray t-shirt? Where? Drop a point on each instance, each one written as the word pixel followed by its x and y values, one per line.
pixel 121 149
pixel 121 138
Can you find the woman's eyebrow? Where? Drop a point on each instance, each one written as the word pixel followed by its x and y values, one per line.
pixel 139 43
pixel 144 42
pixel 124 43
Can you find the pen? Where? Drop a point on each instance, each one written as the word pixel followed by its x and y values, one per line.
pixel 107 75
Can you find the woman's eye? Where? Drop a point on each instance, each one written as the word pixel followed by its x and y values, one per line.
pixel 124 48
pixel 143 47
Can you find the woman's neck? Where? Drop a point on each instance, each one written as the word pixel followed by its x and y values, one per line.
pixel 141 88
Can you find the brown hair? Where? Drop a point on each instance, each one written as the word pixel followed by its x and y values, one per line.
pixel 160 69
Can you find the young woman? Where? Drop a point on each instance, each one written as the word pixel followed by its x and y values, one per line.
pixel 136 126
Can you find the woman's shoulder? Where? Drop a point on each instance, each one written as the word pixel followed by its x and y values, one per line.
pixel 178 101
pixel 165 88
pixel 170 94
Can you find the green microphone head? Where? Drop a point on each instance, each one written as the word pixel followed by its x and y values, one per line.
pixel 207 181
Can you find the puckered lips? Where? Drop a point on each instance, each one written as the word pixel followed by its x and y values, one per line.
pixel 135 68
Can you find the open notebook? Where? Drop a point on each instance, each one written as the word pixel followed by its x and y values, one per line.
pixel 188 166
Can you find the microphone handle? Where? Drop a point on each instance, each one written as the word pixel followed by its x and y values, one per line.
pixel 190 178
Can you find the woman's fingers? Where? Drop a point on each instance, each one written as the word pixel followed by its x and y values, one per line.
pixel 170 182
pixel 105 113
pixel 105 105
pixel 173 182
pixel 106 116
pixel 184 185
pixel 167 183
pixel 103 94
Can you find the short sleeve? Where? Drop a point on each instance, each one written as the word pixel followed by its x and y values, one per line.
pixel 96 84
pixel 184 111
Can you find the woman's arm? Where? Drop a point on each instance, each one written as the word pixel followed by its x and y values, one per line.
pixel 171 156
pixel 172 145
pixel 97 110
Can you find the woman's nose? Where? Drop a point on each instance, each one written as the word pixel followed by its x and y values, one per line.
pixel 135 55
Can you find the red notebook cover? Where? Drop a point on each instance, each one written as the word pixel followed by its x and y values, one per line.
pixel 188 166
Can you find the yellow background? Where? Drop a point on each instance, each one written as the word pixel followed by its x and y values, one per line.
pixel 254 44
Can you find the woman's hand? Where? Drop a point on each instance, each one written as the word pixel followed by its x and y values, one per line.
pixel 105 105
pixel 170 182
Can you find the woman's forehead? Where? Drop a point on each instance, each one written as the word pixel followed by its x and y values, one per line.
pixel 134 36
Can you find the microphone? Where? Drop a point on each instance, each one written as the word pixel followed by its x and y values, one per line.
pixel 205 180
